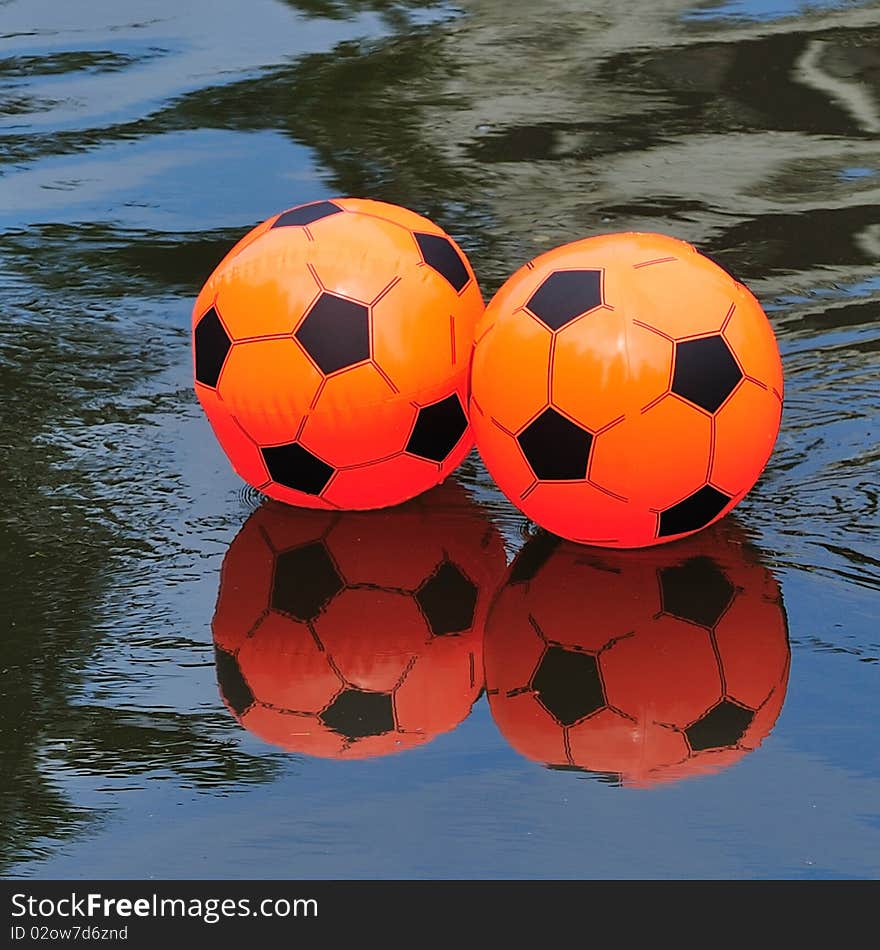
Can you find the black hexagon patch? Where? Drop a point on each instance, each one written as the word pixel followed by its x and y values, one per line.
pixel 556 448
pixel 306 214
pixel 723 726
pixel 356 714
pixel 233 687
pixel 438 429
pixel 448 600
pixel 305 581
pixel 695 512
pixel 295 467
pixel 697 591
pixel 567 685
pixel 211 345
pixel 566 294
pixel 441 254
pixel 705 372
pixel 335 333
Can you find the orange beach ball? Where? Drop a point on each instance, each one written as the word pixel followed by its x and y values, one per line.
pixel 331 349
pixel 625 390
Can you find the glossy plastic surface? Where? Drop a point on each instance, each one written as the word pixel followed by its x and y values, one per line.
pixel 331 349
pixel 625 390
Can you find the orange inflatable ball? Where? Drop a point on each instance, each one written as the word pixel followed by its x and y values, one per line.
pixel 625 390
pixel 331 349
pixel 357 634
pixel 639 666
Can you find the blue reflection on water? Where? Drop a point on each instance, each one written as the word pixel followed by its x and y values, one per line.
pixel 767 10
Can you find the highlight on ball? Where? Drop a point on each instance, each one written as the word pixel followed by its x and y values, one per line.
pixel 625 390
pixel 331 351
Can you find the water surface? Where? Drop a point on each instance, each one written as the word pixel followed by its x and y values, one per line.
pixel 137 143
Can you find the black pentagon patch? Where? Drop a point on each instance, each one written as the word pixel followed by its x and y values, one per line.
pixel 566 294
pixel 555 448
pixel 233 687
pixel 693 513
pixel 295 467
pixel 698 591
pixel 356 714
pixel 448 600
pixel 304 582
pixel 532 556
pixel 306 214
pixel 336 333
pixel 705 372
pixel 211 345
pixel 438 429
pixel 723 726
pixel 567 685
pixel 440 253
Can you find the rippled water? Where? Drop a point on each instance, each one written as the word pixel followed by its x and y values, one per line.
pixel 137 143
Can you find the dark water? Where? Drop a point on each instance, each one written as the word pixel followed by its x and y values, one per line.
pixel 139 141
